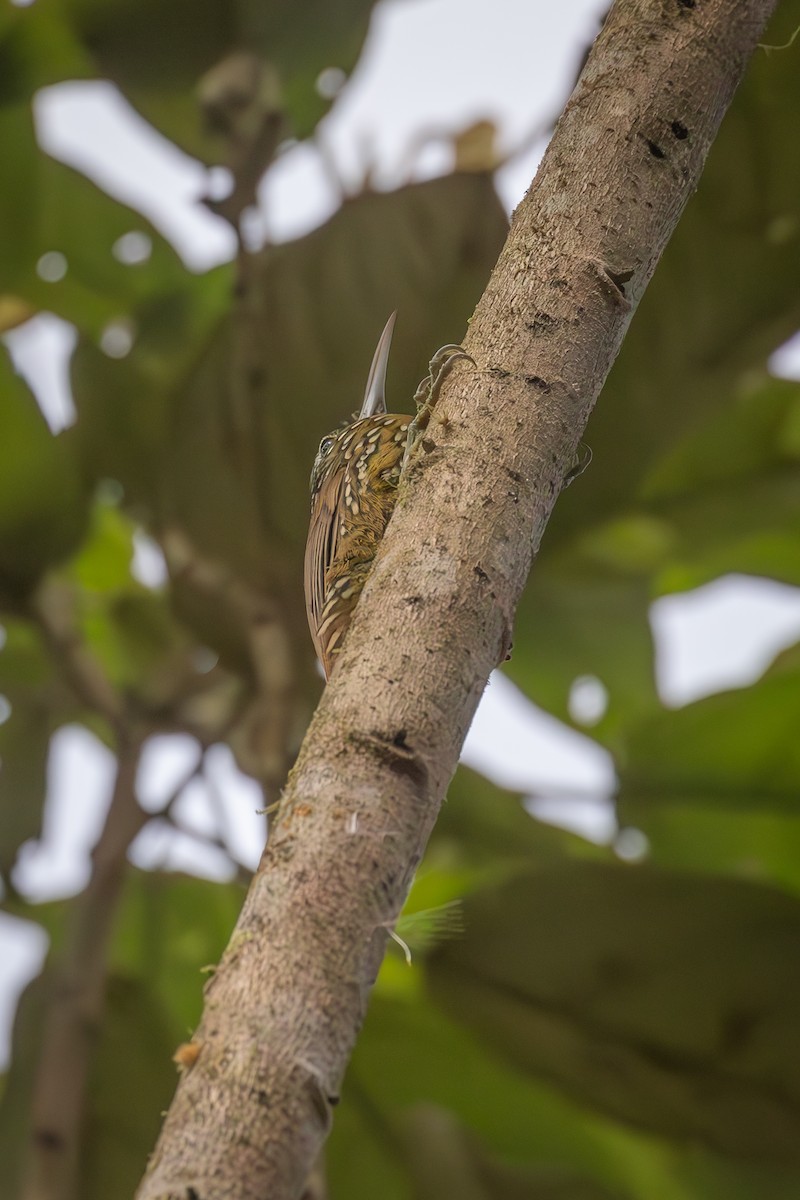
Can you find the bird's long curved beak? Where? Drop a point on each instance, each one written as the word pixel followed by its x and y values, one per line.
pixel 375 395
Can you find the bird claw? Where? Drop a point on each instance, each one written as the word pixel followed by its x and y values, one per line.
pixel 428 388
pixel 427 392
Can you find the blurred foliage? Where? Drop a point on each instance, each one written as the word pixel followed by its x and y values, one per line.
pixel 571 1028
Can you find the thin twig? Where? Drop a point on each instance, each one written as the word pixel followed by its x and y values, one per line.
pixel 52 608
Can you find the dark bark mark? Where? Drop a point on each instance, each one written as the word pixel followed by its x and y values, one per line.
pixel 393 751
pixel 542 322
pixel 540 384
pixel 49 1139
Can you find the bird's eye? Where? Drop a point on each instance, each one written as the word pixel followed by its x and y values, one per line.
pixel 326 444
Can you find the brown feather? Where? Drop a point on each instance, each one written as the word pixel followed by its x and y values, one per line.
pixel 353 491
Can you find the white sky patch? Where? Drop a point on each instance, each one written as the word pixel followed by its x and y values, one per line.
pixel 90 126
pixel 159 847
pixel 149 565
pixel 588 700
pixel 80 776
pixel 118 337
pixel 41 350
pixel 519 746
pixel 785 361
pixel 222 803
pixel 246 830
pixel 435 68
pixel 593 818
pixel 133 248
pixel 52 266
pixel 631 845
pixel 720 636
pixel 80 781
pixel 297 194
pixel 23 946
pixel 167 760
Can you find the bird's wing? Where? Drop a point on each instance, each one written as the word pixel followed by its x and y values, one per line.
pixel 324 534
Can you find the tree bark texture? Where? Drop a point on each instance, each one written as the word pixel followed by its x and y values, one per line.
pixel 284 1008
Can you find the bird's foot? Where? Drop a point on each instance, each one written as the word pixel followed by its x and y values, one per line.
pixel 427 392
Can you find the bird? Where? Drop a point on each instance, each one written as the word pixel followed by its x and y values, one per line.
pixel 354 484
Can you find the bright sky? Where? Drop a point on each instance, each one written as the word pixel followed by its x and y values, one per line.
pixel 432 66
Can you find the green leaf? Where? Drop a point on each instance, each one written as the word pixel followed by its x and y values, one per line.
pixel 37 48
pixel 412 1067
pixel 763 846
pixel 733 750
pixel 408 1055
pixel 574 622
pixel 660 999
pixel 445 1161
pixel 43 502
pixel 104 561
pixel 171 930
pixel 47 208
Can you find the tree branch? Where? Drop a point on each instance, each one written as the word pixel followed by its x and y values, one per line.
pixel 77 999
pixel 52 608
pixel 283 1010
